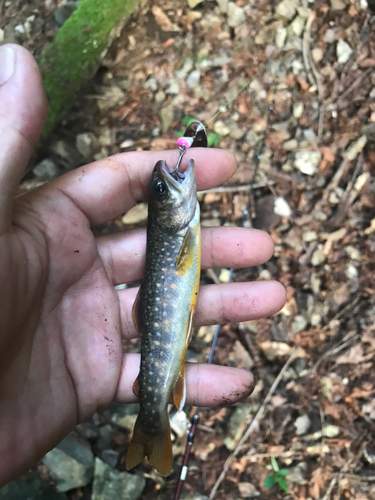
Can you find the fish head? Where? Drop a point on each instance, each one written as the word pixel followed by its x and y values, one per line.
pixel 173 196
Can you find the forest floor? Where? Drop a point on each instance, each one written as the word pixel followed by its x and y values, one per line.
pixel 314 193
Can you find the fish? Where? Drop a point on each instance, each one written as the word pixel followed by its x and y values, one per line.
pixel 164 308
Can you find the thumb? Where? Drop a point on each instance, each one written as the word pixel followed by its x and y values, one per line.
pixel 23 109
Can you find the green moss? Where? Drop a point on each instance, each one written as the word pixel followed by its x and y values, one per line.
pixel 74 56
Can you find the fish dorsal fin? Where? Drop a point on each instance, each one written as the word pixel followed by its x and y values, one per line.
pixel 135 311
pixel 187 253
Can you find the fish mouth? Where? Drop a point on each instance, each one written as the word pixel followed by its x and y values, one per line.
pixel 176 179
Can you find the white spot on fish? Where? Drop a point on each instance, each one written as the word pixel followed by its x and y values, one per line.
pixel 156 309
pixel 149 388
pixel 156 325
pixel 158 285
pixel 168 254
pixel 157 299
pixel 156 342
pixel 150 373
pixel 158 334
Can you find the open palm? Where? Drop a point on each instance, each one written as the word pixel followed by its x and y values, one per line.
pixel 61 319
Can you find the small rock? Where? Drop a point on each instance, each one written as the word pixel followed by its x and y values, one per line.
pixel 221 129
pixel 298 109
pixel 356 147
pixel 128 143
pixel 307 161
pixel 281 207
pixel 160 97
pixel 341 295
pixel 61 14
pixel 290 145
pixel 353 253
pixel 335 196
pixel 110 98
pixel 46 169
pixel 84 144
pixel 297 25
pixel 280 38
pixel 110 484
pixel 125 415
pixel 237 424
pixel 151 83
pixel 1 35
pixel 317 257
pixel 338 4
pixel 236 132
pixel 236 15
pixel 343 52
pixel 32 487
pixel 166 116
pixel 248 490
pixel 317 54
pixel 110 457
pixel 309 236
pixel 265 275
pixel 297 474
pixel 179 423
pixel 299 323
pixel 70 464
pixel 223 5
pixel 274 350
pixel 302 424
pixel 287 8
pixel 315 319
pixel 193 3
pixel 351 272
pixel 172 87
pixel 193 78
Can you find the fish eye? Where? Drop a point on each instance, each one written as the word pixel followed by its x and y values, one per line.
pixel 160 189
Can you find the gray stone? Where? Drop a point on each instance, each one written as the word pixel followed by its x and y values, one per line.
pixel 223 5
pixel 110 484
pixel 166 116
pixel 236 15
pixel 193 79
pixel 343 52
pixel 307 161
pixel 46 169
pixel 110 457
pixel 172 87
pixel 280 37
pixel 125 415
pixel 299 323
pixel 338 4
pixel 287 8
pixel 84 144
pixel 70 464
pixel 237 424
pixel 151 83
pixel 298 109
pixel 63 13
pixel 31 487
pixel 302 424
pixel 317 257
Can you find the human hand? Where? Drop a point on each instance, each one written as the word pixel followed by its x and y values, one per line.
pixel 61 318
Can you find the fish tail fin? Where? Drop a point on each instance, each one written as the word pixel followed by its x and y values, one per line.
pixel 156 447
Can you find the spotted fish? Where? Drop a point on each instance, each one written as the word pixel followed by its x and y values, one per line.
pixel 164 310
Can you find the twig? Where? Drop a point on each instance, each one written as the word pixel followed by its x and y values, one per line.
pixel 252 425
pixel 343 344
pixel 242 187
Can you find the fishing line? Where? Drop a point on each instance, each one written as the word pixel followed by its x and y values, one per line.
pixel 257 158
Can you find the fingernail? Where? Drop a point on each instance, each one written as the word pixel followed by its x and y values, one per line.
pixel 7 58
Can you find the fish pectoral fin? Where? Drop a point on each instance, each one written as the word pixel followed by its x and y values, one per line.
pixel 136 387
pixel 187 254
pixel 135 311
pixel 179 390
pixel 156 447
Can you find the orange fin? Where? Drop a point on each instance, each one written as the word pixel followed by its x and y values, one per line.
pixel 179 390
pixel 136 387
pixel 156 447
pixel 187 253
pixel 135 311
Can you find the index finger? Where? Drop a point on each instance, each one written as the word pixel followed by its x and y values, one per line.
pixel 107 188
